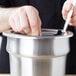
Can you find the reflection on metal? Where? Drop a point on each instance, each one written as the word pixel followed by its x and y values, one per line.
pixel 0 42
pixel 38 55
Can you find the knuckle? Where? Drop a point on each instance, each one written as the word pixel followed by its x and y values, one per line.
pixel 20 10
pixel 31 8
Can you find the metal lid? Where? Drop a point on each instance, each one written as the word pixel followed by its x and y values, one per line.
pixel 46 33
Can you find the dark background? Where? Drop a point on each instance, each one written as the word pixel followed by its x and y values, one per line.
pixel 71 58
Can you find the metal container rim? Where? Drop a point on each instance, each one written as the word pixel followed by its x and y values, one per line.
pixel 53 35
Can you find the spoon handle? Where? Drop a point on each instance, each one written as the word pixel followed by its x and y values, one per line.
pixel 68 19
pixel 69 16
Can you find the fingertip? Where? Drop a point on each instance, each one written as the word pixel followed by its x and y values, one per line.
pixel 27 31
pixel 35 32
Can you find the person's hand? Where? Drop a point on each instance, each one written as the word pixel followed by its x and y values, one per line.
pixel 66 8
pixel 26 20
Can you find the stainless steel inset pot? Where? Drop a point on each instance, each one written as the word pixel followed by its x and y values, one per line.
pixel 38 55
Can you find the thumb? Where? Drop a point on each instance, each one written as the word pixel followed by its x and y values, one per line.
pixel 69 5
pixel 66 8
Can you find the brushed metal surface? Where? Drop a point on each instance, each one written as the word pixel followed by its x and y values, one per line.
pixel 24 66
pixel 38 55
pixel 9 75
